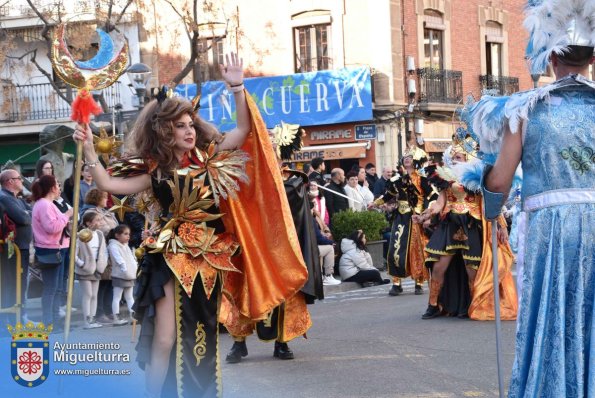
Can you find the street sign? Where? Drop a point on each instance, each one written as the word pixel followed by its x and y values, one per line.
pixel 365 132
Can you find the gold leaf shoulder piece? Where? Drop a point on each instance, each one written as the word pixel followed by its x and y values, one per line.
pixel 131 167
pixel 226 169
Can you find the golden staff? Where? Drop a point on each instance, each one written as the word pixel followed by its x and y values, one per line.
pixel 75 219
pixel 98 73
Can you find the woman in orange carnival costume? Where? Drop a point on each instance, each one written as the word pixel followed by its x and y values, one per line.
pixel 194 183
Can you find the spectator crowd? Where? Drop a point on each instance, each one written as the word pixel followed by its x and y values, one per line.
pixel 36 220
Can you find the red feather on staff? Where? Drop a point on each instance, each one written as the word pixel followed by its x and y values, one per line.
pixel 83 107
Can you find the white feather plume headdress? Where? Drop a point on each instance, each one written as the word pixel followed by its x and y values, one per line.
pixel 554 25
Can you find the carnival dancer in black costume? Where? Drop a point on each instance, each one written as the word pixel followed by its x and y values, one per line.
pixel 187 170
pixel 413 193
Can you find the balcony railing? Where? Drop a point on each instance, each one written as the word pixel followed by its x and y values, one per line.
pixel 498 85
pixel 40 101
pixel 440 85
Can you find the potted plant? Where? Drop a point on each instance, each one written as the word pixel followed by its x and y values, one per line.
pixel 371 222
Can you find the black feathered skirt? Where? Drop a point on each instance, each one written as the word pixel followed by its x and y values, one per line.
pixel 457 232
pixel 194 361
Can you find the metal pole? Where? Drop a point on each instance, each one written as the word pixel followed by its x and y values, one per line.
pixel 75 219
pixel 336 193
pixel 497 305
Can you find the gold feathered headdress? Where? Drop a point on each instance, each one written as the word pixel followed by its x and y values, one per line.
pixel 287 139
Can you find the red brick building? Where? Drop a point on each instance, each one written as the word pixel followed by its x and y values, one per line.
pixel 459 48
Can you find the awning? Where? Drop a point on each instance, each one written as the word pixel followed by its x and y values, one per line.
pixel 355 150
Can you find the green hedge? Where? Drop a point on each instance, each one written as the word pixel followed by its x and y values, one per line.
pixel 371 222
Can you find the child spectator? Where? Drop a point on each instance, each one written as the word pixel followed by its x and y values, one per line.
pixel 124 266
pixel 91 260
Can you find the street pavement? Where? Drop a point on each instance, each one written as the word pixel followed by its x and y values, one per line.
pixel 363 343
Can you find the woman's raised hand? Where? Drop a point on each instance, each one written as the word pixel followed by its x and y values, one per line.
pixel 233 70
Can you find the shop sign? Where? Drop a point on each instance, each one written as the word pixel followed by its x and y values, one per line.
pixel 331 134
pixel 308 99
pixel 436 146
pixel 365 132
pixel 330 152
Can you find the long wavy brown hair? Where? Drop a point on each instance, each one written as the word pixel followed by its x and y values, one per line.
pixel 153 133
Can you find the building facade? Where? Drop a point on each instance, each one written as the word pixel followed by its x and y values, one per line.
pixel 425 56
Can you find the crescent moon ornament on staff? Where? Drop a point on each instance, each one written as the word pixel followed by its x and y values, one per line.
pixel 95 74
pixel 98 73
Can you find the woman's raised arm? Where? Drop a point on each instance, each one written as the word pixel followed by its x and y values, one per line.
pixel 233 75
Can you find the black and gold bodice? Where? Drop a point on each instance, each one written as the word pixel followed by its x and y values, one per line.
pixel 164 196
pixel 184 203
pixel 459 200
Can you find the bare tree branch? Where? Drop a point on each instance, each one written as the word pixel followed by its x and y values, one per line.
pixel 181 17
pixel 45 33
pixel 50 79
pixel 37 12
pixel 194 40
pixel 191 60
pixel 33 60
pixel 123 12
pixel 22 56
pixel 108 19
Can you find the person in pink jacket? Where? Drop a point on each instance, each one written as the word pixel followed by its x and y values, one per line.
pixel 49 235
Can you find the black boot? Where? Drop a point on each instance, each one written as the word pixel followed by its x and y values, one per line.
pixel 238 350
pixel 282 351
pixel 395 290
pixel 432 312
pixel 418 289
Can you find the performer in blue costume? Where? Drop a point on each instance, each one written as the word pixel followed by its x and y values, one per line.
pixel 551 130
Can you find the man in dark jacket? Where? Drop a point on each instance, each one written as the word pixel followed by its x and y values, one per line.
pixel 318 169
pixel 371 176
pixel 20 213
pixel 336 203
